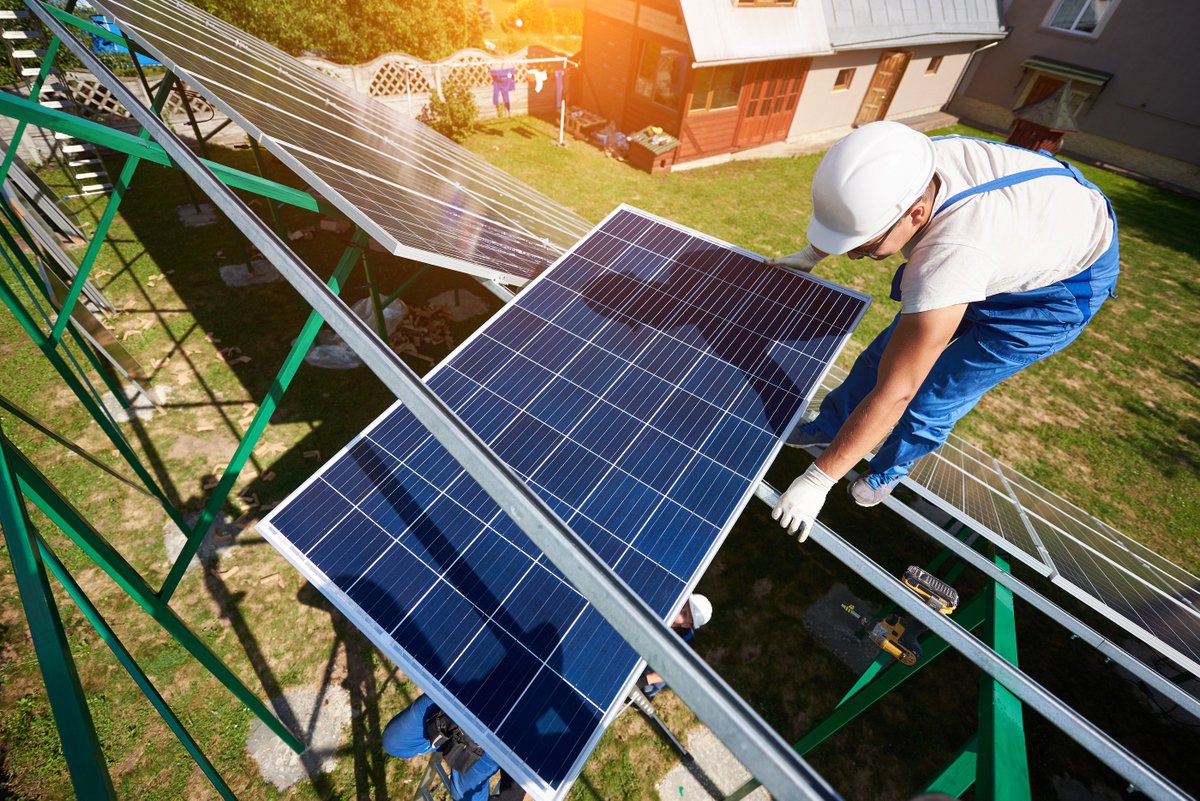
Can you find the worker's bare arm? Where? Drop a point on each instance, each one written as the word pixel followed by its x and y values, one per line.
pixel 916 344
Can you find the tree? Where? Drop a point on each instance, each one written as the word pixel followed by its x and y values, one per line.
pixel 354 31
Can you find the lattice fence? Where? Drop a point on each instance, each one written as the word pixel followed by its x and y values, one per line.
pixel 95 99
pixel 407 83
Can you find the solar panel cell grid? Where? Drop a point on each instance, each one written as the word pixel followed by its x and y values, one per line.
pixel 640 387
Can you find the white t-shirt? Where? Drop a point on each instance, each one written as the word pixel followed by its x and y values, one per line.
pixel 1014 239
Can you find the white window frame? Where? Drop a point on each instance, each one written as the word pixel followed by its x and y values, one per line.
pixel 1100 26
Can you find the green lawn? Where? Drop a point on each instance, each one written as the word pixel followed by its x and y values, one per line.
pixel 1111 424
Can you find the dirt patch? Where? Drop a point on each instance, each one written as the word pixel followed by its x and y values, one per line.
pixel 211 449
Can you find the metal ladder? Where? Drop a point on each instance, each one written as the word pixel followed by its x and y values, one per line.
pixel 435 768
pixel 79 159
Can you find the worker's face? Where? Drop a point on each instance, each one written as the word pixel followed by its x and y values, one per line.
pixel 684 619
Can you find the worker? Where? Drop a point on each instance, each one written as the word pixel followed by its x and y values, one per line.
pixel 695 613
pixel 423 727
pixel 1010 253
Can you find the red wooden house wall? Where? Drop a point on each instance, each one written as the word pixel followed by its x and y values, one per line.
pixel 614 34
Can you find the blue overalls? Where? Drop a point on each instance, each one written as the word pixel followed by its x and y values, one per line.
pixel 404 737
pixel 998 337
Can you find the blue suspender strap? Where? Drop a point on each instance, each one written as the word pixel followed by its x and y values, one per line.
pixel 1003 181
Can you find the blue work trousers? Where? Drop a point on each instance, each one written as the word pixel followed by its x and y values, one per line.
pixel 404 737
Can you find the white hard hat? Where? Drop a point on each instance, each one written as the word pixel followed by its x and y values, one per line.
pixel 866 182
pixel 701 610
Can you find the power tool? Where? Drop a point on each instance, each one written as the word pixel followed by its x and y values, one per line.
pixel 937 594
pixel 888 634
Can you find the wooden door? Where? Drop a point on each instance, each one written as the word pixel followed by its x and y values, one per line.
pixel 888 73
pixel 1043 87
pixel 768 101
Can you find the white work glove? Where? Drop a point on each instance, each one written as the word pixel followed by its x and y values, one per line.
pixel 798 507
pixel 803 260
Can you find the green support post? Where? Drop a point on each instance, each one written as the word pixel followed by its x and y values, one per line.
pixel 282 380
pixel 969 616
pixel 81 747
pixel 68 519
pixel 100 234
pixel 1003 772
pixel 131 666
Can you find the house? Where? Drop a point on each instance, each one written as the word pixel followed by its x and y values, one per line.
pixel 1133 99
pixel 731 75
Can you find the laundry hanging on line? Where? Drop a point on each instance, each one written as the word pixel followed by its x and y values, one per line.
pixel 503 82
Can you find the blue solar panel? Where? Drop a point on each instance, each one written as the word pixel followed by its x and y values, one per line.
pixel 641 386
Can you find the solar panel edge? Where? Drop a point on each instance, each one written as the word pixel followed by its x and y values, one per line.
pixel 413 670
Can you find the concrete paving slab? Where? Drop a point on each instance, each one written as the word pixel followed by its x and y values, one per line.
pixel 261 272
pixel 222 535
pixel 831 626
pixel 195 215
pixel 319 717
pixel 712 773
pixel 143 405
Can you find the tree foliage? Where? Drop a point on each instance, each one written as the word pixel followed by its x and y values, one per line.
pixel 354 31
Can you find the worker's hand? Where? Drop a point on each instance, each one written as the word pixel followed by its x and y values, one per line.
pixel 798 507
pixel 803 260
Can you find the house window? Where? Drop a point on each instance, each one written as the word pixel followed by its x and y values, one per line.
pixel 1080 16
pixel 842 82
pixel 750 3
pixel 717 87
pixel 660 74
pixel 935 64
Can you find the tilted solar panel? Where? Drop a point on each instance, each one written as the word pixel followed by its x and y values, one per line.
pixel 408 187
pixel 1153 599
pixel 641 386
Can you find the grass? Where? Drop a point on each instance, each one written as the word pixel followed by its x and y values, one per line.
pixel 1111 424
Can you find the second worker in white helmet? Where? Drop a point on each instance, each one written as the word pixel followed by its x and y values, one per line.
pixel 1010 253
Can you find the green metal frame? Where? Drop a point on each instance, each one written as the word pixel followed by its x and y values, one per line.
pixel 994 761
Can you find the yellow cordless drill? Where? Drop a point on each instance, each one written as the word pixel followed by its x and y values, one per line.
pixel 888 634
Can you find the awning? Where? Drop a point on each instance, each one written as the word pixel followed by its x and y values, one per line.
pixel 721 33
pixel 1063 69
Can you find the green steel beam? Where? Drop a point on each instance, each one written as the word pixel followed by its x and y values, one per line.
pixel 81 746
pixel 115 436
pixel 100 233
pixel 139 677
pixel 958 776
pixel 60 511
pixel 26 111
pixel 1003 773
pixel 969 616
pixel 284 378
pixel 33 422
